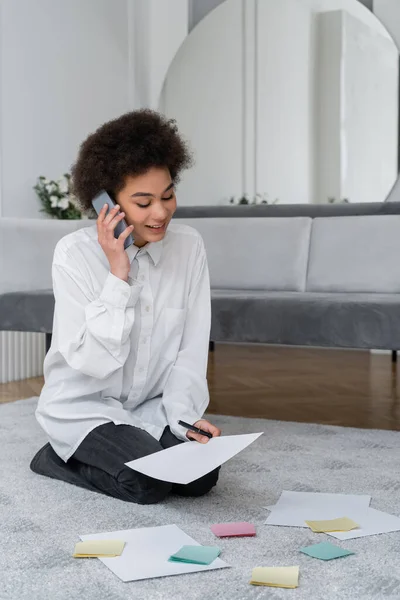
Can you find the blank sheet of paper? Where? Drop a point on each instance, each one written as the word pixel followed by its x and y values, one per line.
pixel 373 523
pixel 189 461
pixel 293 509
pixel 147 551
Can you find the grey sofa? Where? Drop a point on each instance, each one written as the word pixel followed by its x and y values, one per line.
pixel 294 280
pixel 26 252
pixel 329 281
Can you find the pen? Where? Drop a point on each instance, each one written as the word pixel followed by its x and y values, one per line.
pixel 195 429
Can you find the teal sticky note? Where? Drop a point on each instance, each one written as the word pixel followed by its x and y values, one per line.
pixel 199 555
pixel 325 551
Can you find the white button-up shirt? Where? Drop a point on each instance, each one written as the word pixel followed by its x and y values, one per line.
pixel 131 352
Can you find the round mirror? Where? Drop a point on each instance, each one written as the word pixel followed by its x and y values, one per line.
pixel 287 101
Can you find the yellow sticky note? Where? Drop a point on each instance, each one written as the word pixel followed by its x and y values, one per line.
pixel 343 524
pixel 284 577
pixel 95 548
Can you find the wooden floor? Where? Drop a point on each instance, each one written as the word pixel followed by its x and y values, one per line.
pixel 350 388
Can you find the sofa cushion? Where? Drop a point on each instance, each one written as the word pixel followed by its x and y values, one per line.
pixel 355 254
pixel 306 319
pixel 27 311
pixel 293 318
pixel 26 251
pixel 258 254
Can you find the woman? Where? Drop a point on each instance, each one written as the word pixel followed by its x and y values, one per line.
pixel 131 327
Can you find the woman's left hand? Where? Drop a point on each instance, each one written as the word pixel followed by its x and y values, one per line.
pixel 206 426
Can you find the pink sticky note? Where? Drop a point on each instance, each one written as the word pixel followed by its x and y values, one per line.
pixel 233 529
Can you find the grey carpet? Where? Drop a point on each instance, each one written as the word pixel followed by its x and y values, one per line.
pixel 40 519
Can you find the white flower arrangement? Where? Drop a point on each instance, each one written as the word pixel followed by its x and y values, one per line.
pixel 57 198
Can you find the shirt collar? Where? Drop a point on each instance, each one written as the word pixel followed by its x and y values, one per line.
pixel 153 249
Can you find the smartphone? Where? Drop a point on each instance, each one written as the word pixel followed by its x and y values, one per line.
pixel 98 202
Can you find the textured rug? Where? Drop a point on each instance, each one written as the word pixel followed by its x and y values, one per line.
pixel 40 519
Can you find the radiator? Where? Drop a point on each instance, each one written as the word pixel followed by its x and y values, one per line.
pixel 21 355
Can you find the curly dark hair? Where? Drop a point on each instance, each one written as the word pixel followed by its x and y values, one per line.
pixel 128 145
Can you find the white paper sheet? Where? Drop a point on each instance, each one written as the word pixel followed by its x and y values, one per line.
pixel 189 461
pixel 294 508
pixel 147 551
pixel 373 523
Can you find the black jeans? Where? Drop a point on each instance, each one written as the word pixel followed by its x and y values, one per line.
pixel 98 465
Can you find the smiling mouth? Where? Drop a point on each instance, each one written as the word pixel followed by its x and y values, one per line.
pixel 156 227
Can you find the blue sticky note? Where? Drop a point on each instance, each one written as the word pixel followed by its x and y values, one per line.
pixel 325 551
pixel 199 555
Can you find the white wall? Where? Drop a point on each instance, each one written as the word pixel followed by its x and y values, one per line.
pixel 209 109
pixel 198 9
pixel 64 70
pixel 328 98
pixel 388 11
pixel 66 67
pixel 158 28
pixel 370 108
pixel 247 102
pixel 357 145
pixel 328 73
pixel 284 148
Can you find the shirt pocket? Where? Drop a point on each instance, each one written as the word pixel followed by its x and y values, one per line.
pixel 174 323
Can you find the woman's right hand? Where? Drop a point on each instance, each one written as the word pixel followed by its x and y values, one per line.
pixel 112 247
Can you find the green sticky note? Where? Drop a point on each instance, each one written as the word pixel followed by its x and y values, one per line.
pixel 325 551
pixel 199 555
